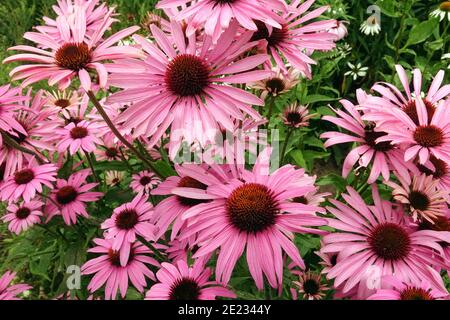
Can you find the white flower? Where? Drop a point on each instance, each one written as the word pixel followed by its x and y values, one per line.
pixel 356 71
pixel 113 177
pixel 442 11
pixel 371 26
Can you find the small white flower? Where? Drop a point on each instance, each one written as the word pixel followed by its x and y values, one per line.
pixel 356 71
pixel 442 11
pixel 371 26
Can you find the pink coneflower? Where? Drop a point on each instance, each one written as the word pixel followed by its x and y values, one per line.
pixel 78 136
pixel 253 211
pixel 438 169
pixel 216 15
pixel 70 197
pixel 384 156
pixel 380 108
pixel 440 224
pixel 296 39
pixel 296 116
pixel 429 137
pixel 310 286
pixel 378 237
pixel 189 89
pixel 63 102
pixel 178 281
pixel 128 221
pixel 280 82
pixel 37 135
pixel 144 181
pixel 107 269
pixel 10 100
pixel 75 53
pixel 394 289
pixel 421 196
pixel 27 181
pixel 113 178
pixel 21 217
pixel 8 291
pixel 108 149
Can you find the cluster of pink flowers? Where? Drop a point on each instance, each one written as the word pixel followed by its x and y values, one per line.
pixel 185 83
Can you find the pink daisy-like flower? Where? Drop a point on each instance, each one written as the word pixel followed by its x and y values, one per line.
pixel 78 136
pixel 63 102
pixel 253 211
pixel 309 285
pixel 108 149
pixel 178 281
pixel 10 99
pixel 188 88
pixel 296 116
pixel 440 224
pixel 10 292
pixel 21 217
pixel 384 156
pixel 216 15
pixel 144 181
pixel 74 53
pixel 379 109
pixel 27 181
pixel 297 39
pixel 108 269
pixel 128 221
pixel 378 237
pixel 431 136
pixel 438 169
pixel 281 82
pixel 70 197
pixel 394 289
pixel 421 196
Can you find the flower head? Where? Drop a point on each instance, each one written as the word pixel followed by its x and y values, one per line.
pixel 280 82
pixel 442 11
pixel 371 26
pixel 178 281
pixel 310 286
pixel 296 116
pixel 144 182
pixel 113 178
pixel 22 216
pixel 8 291
pixel 79 136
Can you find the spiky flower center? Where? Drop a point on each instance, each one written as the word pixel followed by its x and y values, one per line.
pixel 311 286
pixel 187 75
pixel 78 133
pixel 24 176
pixel 114 257
pixel 275 85
pixel 145 180
pixel 66 195
pixel 429 136
pixel 414 293
pixel 73 56
pixel 62 103
pixel 419 200
pixel 127 219
pixel 188 182
pixel 390 241
pixel 23 213
pixel 445 6
pixel 411 110
pixel 294 118
pixel 111 152
pixel 225 1
pixel 371 136
pixel 252 208
pixel 273 39
pixel 184 289
pixel 441 168
pixel 302 200
pixel 440 223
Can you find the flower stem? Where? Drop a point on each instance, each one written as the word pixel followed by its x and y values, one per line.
pixel 116 132
pixel 13 144
pixel 91 164
pixel 155 251
pixel 285 143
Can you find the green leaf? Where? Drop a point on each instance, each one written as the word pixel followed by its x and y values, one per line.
pixel 317 98
pixel 165 169
pixel 298 158
pixel 421 32
pixel 333 179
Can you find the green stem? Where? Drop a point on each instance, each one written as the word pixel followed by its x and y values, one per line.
pixel 13 144
pixel 155 251
pixel 91 164
pixel 116 132
pixel 285 144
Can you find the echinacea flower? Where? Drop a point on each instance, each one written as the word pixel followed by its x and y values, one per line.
pixel 144 182
pixel 421 196
pixel 63 102
pixel 188 89
pixel 70 196
pixel 371 26
pixel 439 224
pixel 253 211
pixel 298 37
pixel 22 216
pixel 378 237
pixel 384 156
pixel 10 99
pixel 178 281
pixel 442 11
pixel 128 221
pixel 310 286
pixel 296 116
pixel 78 136
pixel 113 178
pixel 108 149
pixel 8 291
pixel 280 82
pixel 74 54
pixel 439 170
pixel 27 181
pixel 216 15
pixel 108 269
pixel 394 289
